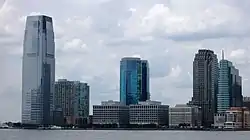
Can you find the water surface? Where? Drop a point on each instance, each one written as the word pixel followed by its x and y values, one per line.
pixel 119 135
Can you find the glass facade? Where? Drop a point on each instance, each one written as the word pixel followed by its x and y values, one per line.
pixel 134 80
pixel 230 94
pixel 38 71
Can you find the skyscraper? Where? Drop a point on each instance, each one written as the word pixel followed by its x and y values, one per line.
pixel 134 80
pixel 205 84
pixel 229 86
pixel 72 97
pixel 38 71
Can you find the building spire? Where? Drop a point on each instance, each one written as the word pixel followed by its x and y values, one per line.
pixel 222 54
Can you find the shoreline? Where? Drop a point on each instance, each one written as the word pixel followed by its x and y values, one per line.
pixel 129 129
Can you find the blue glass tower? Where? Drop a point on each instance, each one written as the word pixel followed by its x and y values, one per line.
pixel 230 92
pixel 134 80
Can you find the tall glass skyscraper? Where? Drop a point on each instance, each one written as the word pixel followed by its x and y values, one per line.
pixel 230 92
pixel 38 71
pixel 134 80
pixel 205 84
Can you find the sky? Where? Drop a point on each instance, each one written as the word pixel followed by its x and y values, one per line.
pixel 93 35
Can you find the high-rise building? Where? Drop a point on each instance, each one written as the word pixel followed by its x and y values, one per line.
pixel 72 97
pixel 38 71
pixel 63 98
pixel 205 84
pixel 80 103
pixel 229 87
pixel 134 80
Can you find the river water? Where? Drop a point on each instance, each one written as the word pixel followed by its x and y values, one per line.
pixel 119 135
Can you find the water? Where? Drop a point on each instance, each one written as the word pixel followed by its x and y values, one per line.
pixel 119 135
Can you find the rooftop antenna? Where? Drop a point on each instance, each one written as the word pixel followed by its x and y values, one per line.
pixel 222 54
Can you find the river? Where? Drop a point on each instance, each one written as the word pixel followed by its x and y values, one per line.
pixel 120 135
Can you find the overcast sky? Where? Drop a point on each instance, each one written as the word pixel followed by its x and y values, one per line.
pixel 93 35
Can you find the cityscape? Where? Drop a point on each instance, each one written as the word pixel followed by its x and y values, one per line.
pixel 217 101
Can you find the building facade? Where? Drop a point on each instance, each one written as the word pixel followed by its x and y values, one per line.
pixel 63 99
pixel 72 97
pixel 148 112
pixel 38 71
pixel 134 80
pixel 237 118
pixel 184 115
pixel 205 84
pixel 219 120
pixel 80 103
pixel 110 113
pixel 229 86
pixel 246 102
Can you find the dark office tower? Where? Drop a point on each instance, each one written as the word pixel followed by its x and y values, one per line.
pixel 38 71
pixel 230 94
pixel 134 80
pixel 145 81
pixel 205 84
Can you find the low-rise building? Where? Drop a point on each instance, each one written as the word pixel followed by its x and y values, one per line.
pixel 219 120
pixel 110 113
pixel 184 116
pixel 237 118
pixel 148 112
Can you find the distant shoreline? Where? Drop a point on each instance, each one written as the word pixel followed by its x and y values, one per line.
pixel 133 129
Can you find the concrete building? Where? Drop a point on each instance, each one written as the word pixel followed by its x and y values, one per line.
pixel 148 112
pixel 134 80
pixel 229 86
pixel 219 120
pixel 38 71
pixel 110 113
pixel 72 97
pixel 205 84
pixel 237 118
pixel 184 115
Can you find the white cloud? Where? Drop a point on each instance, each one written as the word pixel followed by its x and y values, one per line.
pixel 237 53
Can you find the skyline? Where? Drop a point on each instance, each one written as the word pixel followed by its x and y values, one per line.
pixel 96 42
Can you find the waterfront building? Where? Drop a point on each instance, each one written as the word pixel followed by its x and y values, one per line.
pixel 237 118
pixel 72 97
pixel 229 87
pixel 134 80
pixel 184 115
pixel 38 71
pixel 205 84
pixel 80 103
pixel 110 113
pixel 148 112
pixel 219 120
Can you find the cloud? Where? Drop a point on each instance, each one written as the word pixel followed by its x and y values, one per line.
pixel 92 37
